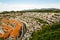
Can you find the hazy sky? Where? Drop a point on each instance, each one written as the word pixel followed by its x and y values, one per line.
pixel 8 5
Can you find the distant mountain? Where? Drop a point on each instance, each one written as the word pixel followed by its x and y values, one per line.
pixel 42 10
pixel 36 10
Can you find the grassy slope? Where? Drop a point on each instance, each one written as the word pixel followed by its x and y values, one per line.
pixel 48 32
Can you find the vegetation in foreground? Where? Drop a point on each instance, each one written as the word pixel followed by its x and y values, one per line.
pixel 48 32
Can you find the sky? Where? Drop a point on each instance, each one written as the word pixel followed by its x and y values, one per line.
pixel 17 5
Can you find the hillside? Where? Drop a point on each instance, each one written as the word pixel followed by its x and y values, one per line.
pixel 48 32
